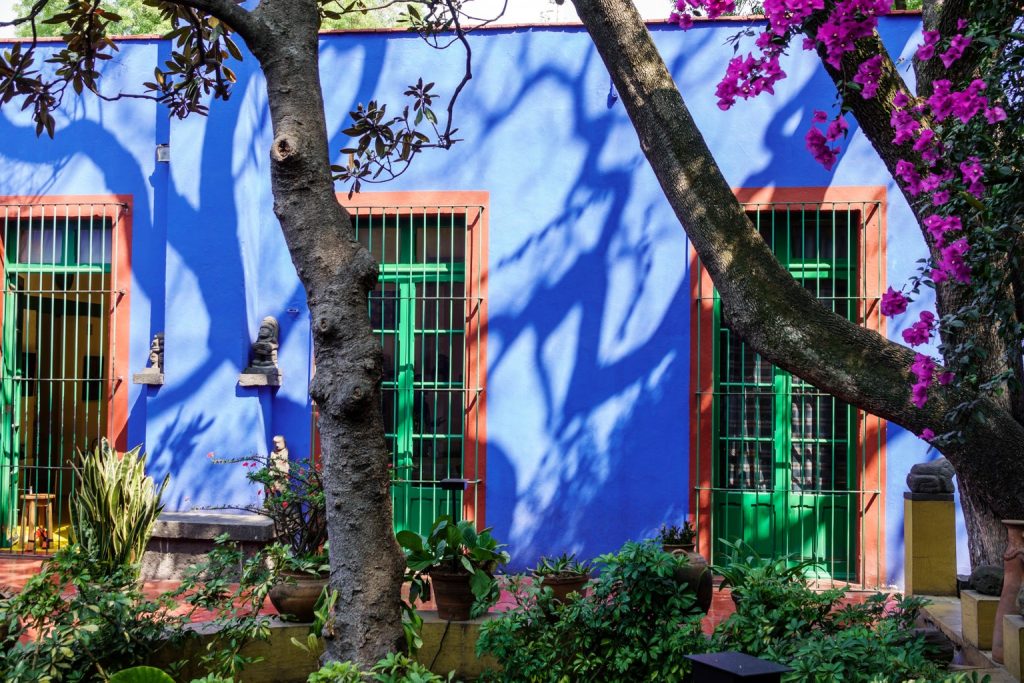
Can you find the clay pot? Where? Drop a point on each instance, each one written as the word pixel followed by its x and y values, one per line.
pixel 1013 564
pixel 697 574
pixel 563 584
pixel 297 599
pixel 452 594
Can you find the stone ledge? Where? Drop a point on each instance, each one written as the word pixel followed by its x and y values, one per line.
pixel 945 614
pixel 209 524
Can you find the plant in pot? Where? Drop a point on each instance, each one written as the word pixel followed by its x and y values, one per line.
pixel 459 562
pixel 563 575
pixel 678 538
pixel 293 498
pixel 682 540
pixel 744 566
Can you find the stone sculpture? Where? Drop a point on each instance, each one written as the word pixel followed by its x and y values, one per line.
pixel 154 374
pixel 263 370
pixel 931 477
pixel 987 579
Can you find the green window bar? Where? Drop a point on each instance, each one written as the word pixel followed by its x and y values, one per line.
pixel 789 462
pixel 56 361
pixel 419 311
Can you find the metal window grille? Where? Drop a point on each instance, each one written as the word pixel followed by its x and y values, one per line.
pixel 794 471
pixel 426 312
pixel 57 357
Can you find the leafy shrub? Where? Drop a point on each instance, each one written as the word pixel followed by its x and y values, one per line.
pixel 105 623
pixel 80 622
pixel 394 668
pixel 115 506
pixel 637 623
pixel 778 617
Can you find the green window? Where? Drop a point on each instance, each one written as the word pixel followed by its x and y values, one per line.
pixel 418 312
pixel 784 452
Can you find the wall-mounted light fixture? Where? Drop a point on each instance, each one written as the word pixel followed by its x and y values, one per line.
pixel 163 153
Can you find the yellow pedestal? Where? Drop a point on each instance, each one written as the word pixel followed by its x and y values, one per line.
pixel 1013 645
pixel 929 541
pixel 978 617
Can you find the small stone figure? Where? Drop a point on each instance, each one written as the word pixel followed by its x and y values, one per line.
pixel 263 370
pixel 156 352
pixel 154 373
pixel 279 464
pixel 987 579
pixel 931 477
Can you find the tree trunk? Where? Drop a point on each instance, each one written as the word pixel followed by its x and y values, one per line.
pixel 366 563
pixel 776 316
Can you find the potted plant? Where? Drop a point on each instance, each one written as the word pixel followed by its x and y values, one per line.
pixel 293 498
pixel 745 566
pixel 681 540
pixel 563 575
pixel 459 562
pixel 675 539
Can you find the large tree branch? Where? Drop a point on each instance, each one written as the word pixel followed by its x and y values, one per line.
pixel 246 24
pixel 776 316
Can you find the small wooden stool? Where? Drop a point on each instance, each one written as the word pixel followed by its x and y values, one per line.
pixel 31 505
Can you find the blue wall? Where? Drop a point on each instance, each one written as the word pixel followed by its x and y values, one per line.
pixel 588 365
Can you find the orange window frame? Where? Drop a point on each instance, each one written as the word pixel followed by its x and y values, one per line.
pixel 871 430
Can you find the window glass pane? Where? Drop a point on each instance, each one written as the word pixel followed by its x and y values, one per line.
pixel 441 239
pixel 94 241
pixel 40 244
pixel 379 235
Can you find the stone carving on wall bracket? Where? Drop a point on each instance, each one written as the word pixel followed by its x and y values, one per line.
pixel 263 370
pixel 153 374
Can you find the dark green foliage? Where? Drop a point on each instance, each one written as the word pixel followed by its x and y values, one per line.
pixel 455 547
pixel 81 625
pixel 669 534
pixel 637 624
pixel 779 618
pixel 86 625
pixel 563 565
pixel 394 668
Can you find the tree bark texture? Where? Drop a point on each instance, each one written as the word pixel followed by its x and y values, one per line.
pixel 367 565
pixel 768 308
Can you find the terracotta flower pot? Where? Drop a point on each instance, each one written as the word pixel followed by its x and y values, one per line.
pixel 697 574
pixel 563 584
pixel 1013 563
pixel 297 600
pixel 452 594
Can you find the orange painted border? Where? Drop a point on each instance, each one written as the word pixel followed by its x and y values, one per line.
pixel 871 446
pixel 118 208
pixel 474 503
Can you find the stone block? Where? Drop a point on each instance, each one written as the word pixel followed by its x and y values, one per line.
pixel 146 377
pixel 259 379
pixel 978 618
pixel 1013 645
pixel 182 539
pixel 451 646
pixel 929 542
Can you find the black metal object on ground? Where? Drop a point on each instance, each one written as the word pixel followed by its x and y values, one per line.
pixel 730 667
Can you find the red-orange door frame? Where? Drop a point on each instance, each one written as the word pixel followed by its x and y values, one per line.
pixel 871 444
pixel 117 208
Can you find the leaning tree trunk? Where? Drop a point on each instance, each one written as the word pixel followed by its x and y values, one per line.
pixel 366 563
pixel 777 317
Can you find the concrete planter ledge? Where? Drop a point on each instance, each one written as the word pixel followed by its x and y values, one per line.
pixel 209 524
pixel 182 539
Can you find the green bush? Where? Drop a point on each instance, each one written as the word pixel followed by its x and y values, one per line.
pixel 779 618
pixel 75 621
pixel 395 668
pixel 114 506
pixel 637 623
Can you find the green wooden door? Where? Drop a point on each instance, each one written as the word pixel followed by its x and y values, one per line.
pixel 418 311
pixel 54 373
pixel 783 476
